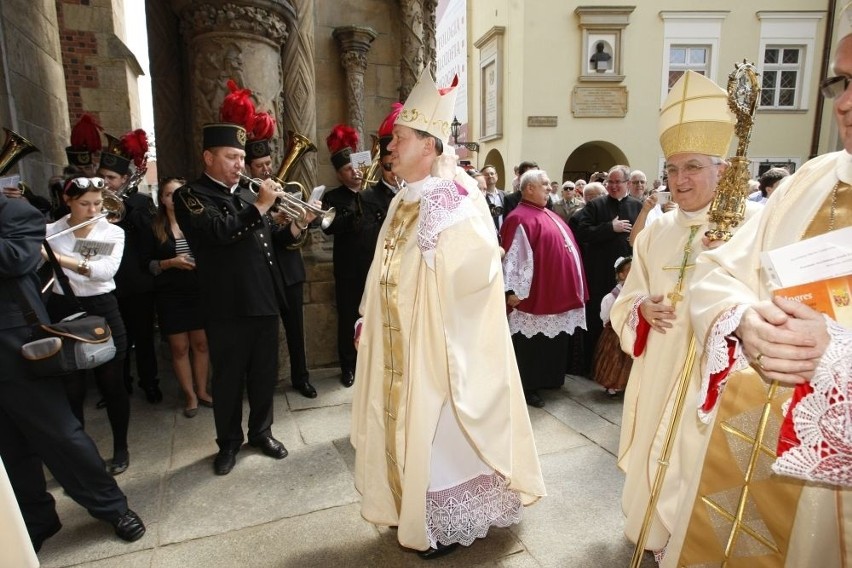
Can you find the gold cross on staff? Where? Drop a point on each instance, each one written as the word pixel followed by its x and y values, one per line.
pixel 675 295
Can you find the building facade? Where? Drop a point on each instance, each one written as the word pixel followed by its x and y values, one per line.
pixel 578 87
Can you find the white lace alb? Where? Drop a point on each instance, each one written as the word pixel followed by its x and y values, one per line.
pixel 823 419
pixel 441 206
pixel 550 325
pixel 716 352
pixel 465 512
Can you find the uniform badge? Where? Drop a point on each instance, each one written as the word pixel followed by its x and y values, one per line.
pixel 192 203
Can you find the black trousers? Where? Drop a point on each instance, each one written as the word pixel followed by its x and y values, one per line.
pixel 348 292
pixel 137 312
pixel 108 376
pixel 244 354
pixel 37 426
pixel 541 360
pixel 294 327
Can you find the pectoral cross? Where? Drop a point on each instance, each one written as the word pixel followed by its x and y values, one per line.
pixel 675 295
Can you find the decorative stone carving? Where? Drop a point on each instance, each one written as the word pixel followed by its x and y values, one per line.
pixel 298 108
pixel 413 48
pixel 203 17
pixel 430 22
pixel 233 40
pixel 354 43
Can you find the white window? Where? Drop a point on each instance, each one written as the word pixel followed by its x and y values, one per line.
pixel 782 76
pixel 683 58
pixel 786 63
pixel 691 41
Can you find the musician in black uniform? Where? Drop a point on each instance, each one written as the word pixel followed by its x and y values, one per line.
pixel 36 423
pixel 241 290
pixel 292 267
pixel 353 252
pixel 375 200
pixel 134 283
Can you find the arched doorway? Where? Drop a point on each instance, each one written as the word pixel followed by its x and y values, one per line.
pixel 596 156
pixel 495 159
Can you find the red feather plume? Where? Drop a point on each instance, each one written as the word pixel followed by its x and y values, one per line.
pixel 342 136
pixel 386 129
pixel 237 108
pixel 134 145
pixel 86 134
pixel 452 86
pixel 263 127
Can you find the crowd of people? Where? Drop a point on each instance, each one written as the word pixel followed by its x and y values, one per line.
pixel 607 279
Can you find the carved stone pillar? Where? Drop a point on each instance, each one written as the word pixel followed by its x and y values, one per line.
pixel 240 40
pixel 413 50
pixel 354 44
pixel 430 22
pixel 299 108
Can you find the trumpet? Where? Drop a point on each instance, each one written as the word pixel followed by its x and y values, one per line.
pixel 292 205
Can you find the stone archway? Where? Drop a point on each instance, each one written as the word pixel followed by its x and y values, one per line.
pixel 595 156
pixel 495 159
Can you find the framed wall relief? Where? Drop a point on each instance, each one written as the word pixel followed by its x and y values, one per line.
pixel 490 47
pixel 601 53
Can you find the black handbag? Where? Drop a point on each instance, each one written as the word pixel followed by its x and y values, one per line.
pixel 78 342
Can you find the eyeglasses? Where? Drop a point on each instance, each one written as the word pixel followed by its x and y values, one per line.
pixel 85 183
pixel 688 170
pixel 833 87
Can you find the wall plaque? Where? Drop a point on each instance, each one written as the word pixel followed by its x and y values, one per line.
pixel 541 121
pixel 599 102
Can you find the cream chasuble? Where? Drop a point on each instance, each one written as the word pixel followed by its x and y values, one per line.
pixel 424 383
pixel 663 264
pixel 738 512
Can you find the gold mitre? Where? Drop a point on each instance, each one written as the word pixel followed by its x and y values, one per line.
pixel 429 109
pixel 695 118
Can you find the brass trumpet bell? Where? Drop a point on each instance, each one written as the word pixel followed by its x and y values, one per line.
pixel 14 148
pixel 297 146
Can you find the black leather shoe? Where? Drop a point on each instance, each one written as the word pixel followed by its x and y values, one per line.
pixel 129 526
pixel 347 379
pixel 153 394
pixel 225 462
pixel 534 400
pixel 442 550
pixel 271 447
pixel 307 390
pixel 119 464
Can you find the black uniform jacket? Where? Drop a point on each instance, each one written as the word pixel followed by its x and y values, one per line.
pixel 353 249
pixel 21 234
pixel 234 251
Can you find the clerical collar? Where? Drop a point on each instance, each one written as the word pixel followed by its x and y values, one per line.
pixel 618 199
pixel 414 190
pixel 539 207
pixel 229 188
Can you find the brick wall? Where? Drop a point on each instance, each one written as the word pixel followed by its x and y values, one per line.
pixel 78 48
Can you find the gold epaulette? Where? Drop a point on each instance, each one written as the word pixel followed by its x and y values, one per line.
pixel 191 202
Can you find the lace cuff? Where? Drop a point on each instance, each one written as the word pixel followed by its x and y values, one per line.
pixel 633 318
pixel 823 419
pixel 550 325
pixel 719 357
pixel 518 265
pixel 465 512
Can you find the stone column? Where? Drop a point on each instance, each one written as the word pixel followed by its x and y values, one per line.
pixel 430 22
pixel 299 108
pixel 412 45
pixel 239 40
pixel 354 44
